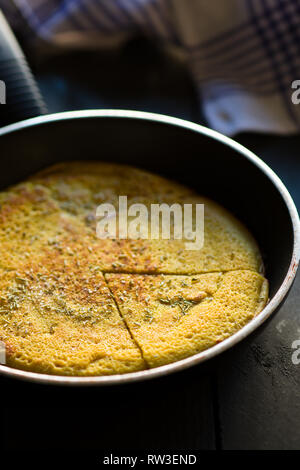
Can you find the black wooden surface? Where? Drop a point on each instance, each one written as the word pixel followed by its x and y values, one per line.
pixel 247 399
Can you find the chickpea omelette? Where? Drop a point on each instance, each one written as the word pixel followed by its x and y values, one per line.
pixel 74 304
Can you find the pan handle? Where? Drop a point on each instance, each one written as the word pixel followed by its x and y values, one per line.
pixel 20 97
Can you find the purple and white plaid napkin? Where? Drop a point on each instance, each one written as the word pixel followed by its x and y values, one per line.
pixel 243 54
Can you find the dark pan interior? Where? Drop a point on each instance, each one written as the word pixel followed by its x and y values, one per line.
pixel 212 168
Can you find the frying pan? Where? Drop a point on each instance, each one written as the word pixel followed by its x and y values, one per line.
pixel 214 165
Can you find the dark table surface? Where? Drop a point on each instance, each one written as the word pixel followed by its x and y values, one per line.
pixel 247 399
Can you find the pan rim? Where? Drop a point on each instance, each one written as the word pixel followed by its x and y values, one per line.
pixel 218 348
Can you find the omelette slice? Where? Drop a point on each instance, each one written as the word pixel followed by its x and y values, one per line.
pixel 79 187
pixel 173 317
pixel 59 318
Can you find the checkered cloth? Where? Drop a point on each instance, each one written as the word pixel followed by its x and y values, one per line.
pixel 244 54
